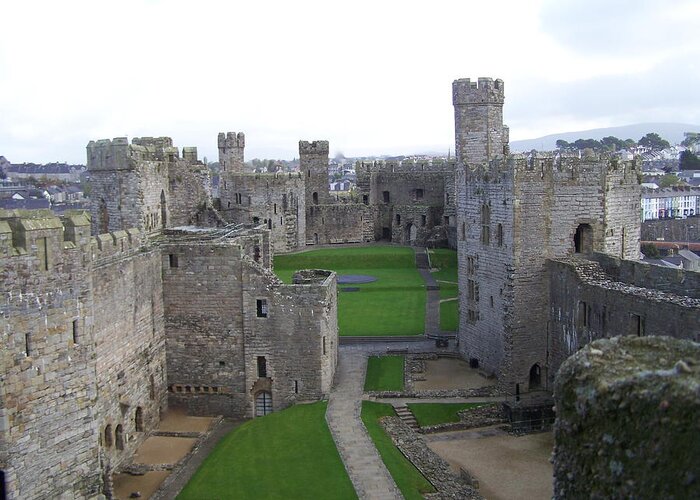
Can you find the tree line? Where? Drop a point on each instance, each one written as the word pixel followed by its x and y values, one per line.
pixel 651 140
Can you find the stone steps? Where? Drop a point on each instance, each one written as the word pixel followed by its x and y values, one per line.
pixel 404 413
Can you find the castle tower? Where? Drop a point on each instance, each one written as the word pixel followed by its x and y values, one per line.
pixel 231 149
pixel 515 212
pixel 479 132
pixel 313 163
pixel 231 146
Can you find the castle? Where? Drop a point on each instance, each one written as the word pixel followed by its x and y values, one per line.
pixel 165 297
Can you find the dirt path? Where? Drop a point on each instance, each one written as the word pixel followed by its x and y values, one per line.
pixel 507 467
pixel 450 373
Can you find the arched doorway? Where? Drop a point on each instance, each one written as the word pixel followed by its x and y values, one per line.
pixel 412 233
pixel 163 210
pixel 263 404
pixel 583 239
pixel 138 419
pixel 108 436
pixel 535 377
pixel 119 437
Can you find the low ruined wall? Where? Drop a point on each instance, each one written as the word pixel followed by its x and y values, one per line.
pixel 433 467
pixel 627 420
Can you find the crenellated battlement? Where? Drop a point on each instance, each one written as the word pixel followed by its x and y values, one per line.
pixel 395 166
pixel 313 148
pixel 566 167
pixel 43 235
pixel 118 154
pixel 483 91
pixel 231 140
pixel 106 247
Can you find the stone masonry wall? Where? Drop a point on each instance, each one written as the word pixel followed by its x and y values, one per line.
pixel 587 304
pixel 676 281
pixel 48 427
pixel 539 202
pixel 298 338
pixel 275 200
pixel 313 165
pixel 338 223
pixel 479 131
pixel 202 309
pixel 627 421
pixel 127 321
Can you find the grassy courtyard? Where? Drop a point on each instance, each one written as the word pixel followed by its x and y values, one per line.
pixel 445 260
pixel 384 373
pixel 438 413
pixel 408 479
pixel 287 454
pixel 392 305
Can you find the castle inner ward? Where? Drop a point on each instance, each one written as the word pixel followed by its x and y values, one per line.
pixel 165 297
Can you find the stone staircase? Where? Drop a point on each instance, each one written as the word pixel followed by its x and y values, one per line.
pixel 404 413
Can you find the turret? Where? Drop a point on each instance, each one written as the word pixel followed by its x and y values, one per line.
pixel 231 146
pixel 480 135
pixel 313 163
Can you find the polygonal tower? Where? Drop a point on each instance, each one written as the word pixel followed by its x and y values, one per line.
pixel 313 163
pixel 479 131
pixel 231 150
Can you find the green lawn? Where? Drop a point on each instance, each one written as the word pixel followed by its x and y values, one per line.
pixel 438 413
pixel 408 479
pixel 287 454
pixel 392 305
pixel 384 373
pixel 446 261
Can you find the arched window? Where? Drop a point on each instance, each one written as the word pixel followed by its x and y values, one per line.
pixel 138 419
pixel 104 217
pixel 163 210
pixel 583 239
pixel 485 224
pixel 256 253
pixel 119 437
pixel 499 235
pixel 535 377
pixel 108 436
pixel 315 198
pixel 263 404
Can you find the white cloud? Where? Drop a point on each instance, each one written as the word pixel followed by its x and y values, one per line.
pixel 372 77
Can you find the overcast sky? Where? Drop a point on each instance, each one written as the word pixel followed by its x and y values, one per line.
pixel 372 77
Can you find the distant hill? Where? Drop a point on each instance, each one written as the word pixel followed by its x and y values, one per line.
pixel 672 132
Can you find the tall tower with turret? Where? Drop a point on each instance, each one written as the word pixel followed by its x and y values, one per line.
pixel 513 213
pixel 231 149
pixel 313 163
pixel 479 131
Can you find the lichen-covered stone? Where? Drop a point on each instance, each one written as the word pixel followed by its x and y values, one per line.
pixel 628 420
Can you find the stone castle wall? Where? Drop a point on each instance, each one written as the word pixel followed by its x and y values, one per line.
pixel 216 336
pixel 129 336
pixel 627 420
pixel 339 223
pixel 47 360
pixel 145 184
pixel 586 304
pixel 532 208
pixel 275 200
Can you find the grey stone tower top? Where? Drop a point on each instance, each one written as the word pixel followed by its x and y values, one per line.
pixel 231 148
pixel 479 132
